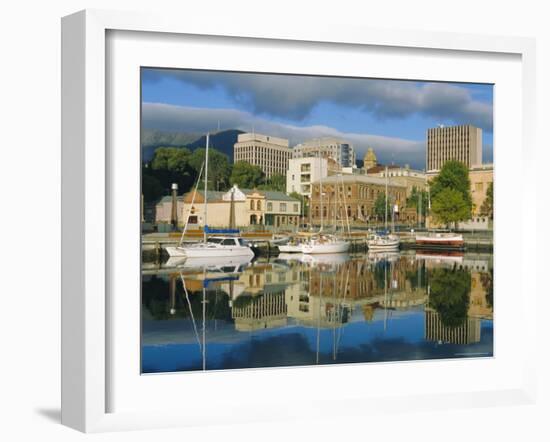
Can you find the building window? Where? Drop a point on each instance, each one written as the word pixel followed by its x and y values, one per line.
pixel 259 205
pixel 296 209
pixel 270 206
pixel 283 207
pixel 251 204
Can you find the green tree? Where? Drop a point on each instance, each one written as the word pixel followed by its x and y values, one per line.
pixel 171 165
pixel 246 176
pixel 449 207
pixel 151 188
pixel 379 207
pixel 219 168
pixel 450 294
pixel 450 194
pixel 453 175
pixel 418 198
pixel 276 182
pixel 487 206
pixel 175 159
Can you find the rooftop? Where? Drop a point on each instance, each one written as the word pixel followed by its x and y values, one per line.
pixel 218 196
pixel 248 137
pixel 337 179
pixel 380 168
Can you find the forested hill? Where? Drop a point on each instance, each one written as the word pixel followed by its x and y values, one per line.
pixel 222 141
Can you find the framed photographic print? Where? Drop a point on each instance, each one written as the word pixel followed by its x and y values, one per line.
pixel 282 210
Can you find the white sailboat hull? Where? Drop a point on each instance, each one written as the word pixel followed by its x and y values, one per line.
pixel 176 252
pixel 390 246
pixel 387 243
pixel 205 252
pixel 217 261
pixel 289 248
pixel 209 250
pixel 331 247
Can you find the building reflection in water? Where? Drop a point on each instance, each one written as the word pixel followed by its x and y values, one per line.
pixel 453 292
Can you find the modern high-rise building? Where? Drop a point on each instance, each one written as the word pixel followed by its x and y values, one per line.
pixel 460 143
pixel 340 151
pixel 271 154
pixel 469 332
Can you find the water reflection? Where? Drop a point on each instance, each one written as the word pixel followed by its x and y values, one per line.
pixel 304 310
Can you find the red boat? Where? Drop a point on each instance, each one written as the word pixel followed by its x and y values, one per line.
pixel 440 240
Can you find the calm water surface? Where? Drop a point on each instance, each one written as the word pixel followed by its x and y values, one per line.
pixel 308 310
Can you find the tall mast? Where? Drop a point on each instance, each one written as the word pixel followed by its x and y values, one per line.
pixel 206 185
pixel 386 205
pixel 429 211
pixel 192 203
pixel 321 184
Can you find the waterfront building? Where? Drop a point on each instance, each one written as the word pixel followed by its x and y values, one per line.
pixel 352 197
pixel 303 171
pixel 234 208
pixel 271 154
pixel 481 177
pixel 401 175
pixel 281 210
pixel 329 147
pixel 460 143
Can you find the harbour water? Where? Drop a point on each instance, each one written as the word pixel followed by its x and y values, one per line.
pixel 299 310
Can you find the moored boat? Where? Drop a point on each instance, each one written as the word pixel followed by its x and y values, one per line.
pixel 324 243
pixel 440 240
pixel 292 245
pixel 214 246
pixel 290 248
pixel 383 243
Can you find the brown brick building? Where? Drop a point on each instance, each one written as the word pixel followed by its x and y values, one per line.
pixel 354 195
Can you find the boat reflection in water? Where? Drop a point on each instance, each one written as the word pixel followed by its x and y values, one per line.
pixel 324 309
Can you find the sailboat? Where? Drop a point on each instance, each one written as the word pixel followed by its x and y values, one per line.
pixel 227 243
pixel 293 245
pixel 385 241
pixel 324 242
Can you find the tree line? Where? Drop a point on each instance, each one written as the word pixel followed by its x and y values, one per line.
pixel 180 165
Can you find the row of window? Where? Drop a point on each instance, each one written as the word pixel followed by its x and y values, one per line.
pixel 257 205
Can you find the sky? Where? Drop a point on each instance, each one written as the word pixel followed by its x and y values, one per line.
pixel 391 116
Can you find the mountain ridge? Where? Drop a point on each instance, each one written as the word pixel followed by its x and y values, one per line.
pixel 222 141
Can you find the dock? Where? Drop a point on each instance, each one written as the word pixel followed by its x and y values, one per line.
pixel 153 245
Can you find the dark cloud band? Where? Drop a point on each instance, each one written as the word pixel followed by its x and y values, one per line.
pixel 294 96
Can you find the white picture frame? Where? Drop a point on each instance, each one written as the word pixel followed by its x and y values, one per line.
pixel 86 256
